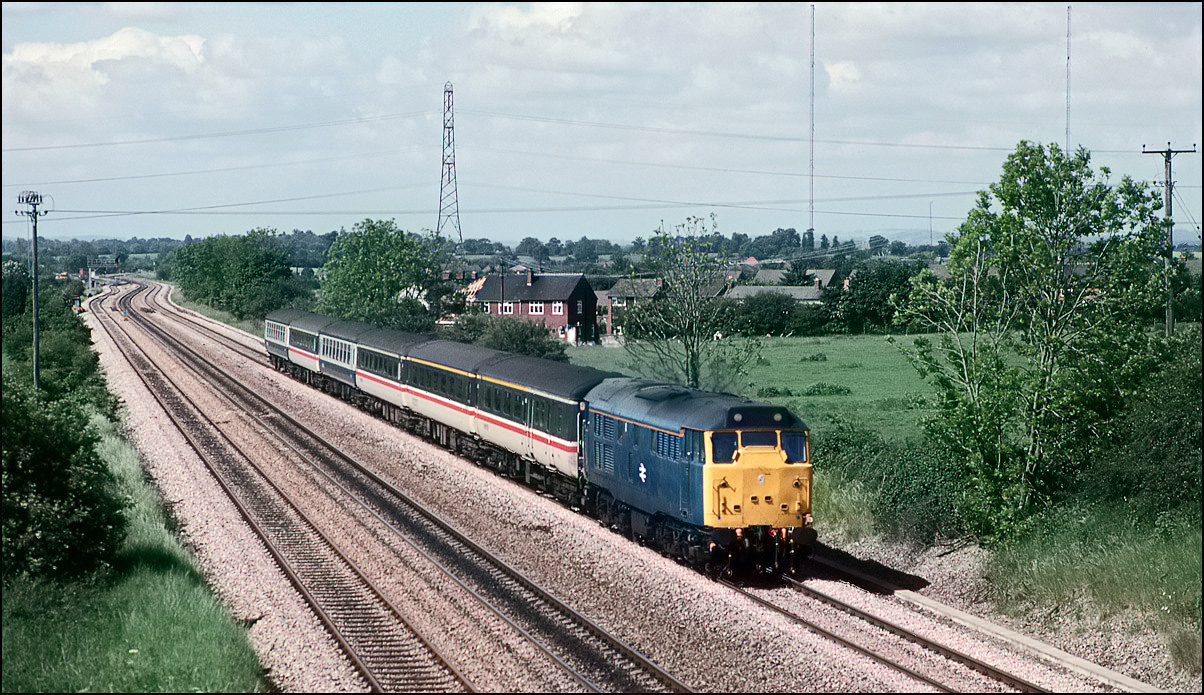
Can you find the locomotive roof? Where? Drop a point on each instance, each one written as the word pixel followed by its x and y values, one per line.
pixel 557 378
pixel 671 407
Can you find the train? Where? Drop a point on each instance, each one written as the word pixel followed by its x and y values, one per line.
pixel 714 480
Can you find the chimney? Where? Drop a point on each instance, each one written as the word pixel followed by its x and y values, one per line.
pixel 819 285
pixel 530 277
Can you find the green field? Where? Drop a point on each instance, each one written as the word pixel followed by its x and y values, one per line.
pixel 866 379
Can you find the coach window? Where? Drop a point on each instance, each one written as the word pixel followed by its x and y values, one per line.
pixel 723 447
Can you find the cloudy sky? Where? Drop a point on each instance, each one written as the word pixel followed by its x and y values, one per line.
pixel 571 120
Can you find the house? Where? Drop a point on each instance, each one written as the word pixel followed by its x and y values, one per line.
pixel 563 302
pixel 625 293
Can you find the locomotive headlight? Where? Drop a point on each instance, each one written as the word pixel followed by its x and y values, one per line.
pixel 777 417
pixel 738 417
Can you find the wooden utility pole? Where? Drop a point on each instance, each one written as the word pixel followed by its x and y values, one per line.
pixel 1170 239
pixel 33 199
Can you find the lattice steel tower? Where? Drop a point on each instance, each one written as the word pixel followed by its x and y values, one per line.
pixel 449 203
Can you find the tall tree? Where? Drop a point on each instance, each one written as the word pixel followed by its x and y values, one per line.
pixel 1041 322
pixel 383 275
pixel 687 333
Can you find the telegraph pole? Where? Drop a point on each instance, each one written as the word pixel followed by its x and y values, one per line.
pixel 33 199
pixel 1170 238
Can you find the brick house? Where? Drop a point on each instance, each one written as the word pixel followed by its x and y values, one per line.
pixel 564 303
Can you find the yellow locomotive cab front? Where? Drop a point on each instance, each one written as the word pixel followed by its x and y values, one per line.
pixel 757 478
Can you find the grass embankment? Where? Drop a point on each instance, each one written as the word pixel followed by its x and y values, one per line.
pixel 149 623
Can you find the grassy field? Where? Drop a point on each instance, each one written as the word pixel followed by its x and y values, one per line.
pixel 149 624
pixel 859 378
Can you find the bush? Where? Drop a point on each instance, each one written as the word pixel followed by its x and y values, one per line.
pixel 913 491
pixel 822 388
pixel 62 515
pixel 507 333
pixel 1151 460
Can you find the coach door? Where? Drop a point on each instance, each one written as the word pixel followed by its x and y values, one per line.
pixel 541 416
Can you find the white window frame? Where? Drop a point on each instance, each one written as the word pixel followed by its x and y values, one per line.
pixel 507 308
pixel 558 308
pixel 535 308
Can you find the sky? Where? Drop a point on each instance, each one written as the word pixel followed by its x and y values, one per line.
pixel 606 121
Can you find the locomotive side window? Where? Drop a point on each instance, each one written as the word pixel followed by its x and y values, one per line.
pixel 795 446
pixel 723 447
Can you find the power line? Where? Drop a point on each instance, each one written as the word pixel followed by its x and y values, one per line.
pixel 226 134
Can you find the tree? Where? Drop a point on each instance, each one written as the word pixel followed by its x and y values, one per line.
pixel 385 276
pixel 16 289
pixel 770 313
pixel 866 304
pixel 1040 324
pixel 686 333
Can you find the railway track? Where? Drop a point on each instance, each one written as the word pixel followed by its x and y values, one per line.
pixel 593 659
pixel 379 641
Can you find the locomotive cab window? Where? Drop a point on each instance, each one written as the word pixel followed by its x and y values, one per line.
pixel 759 438
pixel 795 446
pixel 723 447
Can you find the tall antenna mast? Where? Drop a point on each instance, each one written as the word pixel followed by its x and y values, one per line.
pixel 812 178
pixel 1068 79
pixel 449 203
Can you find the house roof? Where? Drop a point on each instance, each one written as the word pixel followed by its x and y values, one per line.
pixel 770 277
pixel 804 293
pixel 634 287
pixel 543 288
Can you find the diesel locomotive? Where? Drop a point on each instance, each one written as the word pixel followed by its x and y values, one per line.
pixel 718 481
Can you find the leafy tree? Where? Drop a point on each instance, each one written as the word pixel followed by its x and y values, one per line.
pixel 530 246
pixel 16 288
pixel 770 313
pixel 1040 324
pixel 866 304
pixel 385 276
pixel 686 333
